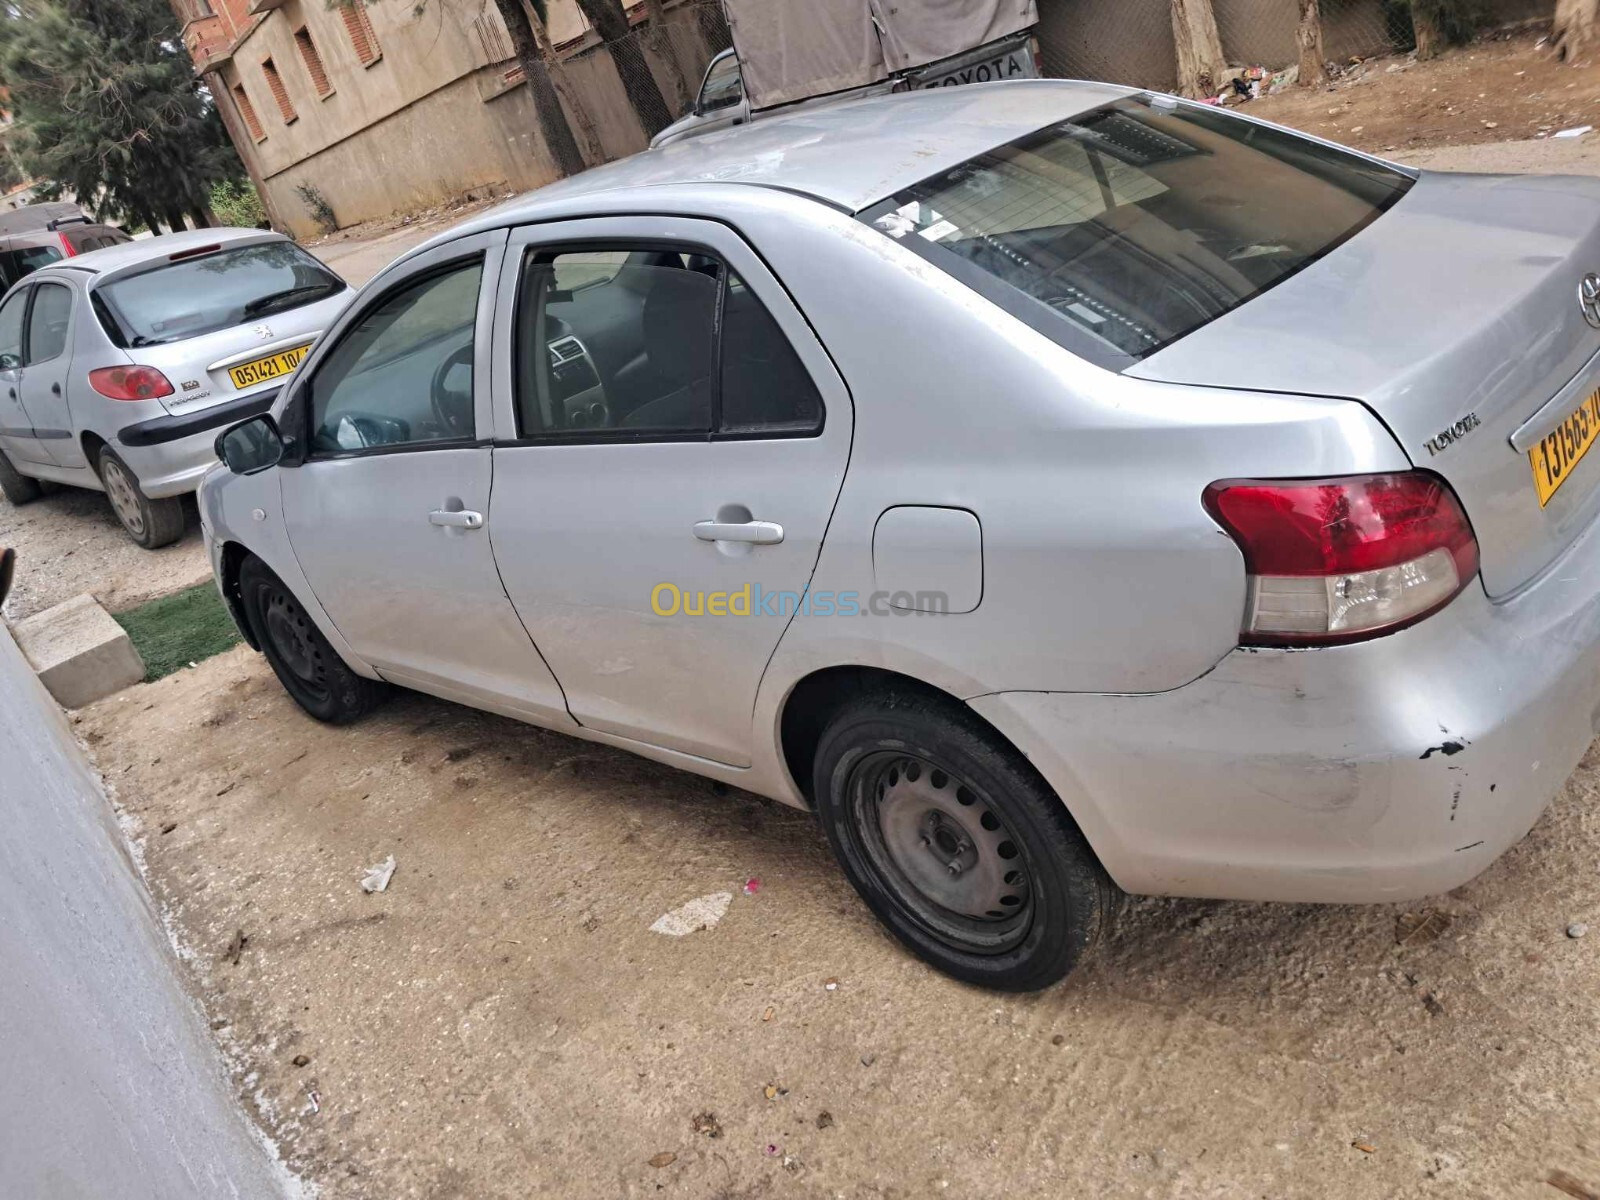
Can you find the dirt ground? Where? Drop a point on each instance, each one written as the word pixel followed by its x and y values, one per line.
pixel 1491 91
pixel 503 1023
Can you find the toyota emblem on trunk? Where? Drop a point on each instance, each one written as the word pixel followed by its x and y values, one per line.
pixel 1589 298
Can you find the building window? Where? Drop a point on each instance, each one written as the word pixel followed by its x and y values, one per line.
pixel 362 38
pixel 248 112
pixel 275 84
pixel 313 61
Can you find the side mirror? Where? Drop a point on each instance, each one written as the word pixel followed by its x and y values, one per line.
pixel 250 446
pixel 8 567
pixel 10 362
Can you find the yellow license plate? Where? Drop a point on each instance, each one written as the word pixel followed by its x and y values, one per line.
pixel 1554 458
pixel 270 367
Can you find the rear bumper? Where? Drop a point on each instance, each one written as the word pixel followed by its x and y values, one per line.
pixel 171 453
pixel 1386 770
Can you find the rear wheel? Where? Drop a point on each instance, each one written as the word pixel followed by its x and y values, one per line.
pixel 309 668
pixel 18 488
pixel 957 844
pixel 151 523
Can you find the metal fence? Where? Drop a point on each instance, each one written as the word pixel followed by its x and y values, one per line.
pixel 1130 41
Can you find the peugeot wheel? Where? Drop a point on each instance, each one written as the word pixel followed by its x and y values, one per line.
pixel 957 844
pixel 151 523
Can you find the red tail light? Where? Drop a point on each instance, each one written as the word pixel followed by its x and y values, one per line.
pixel 130 383
pixel 1340 560
pixel 66 247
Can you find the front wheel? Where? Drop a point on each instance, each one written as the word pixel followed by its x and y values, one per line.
pixel 151 523
pixel 309 668
pixel 957 844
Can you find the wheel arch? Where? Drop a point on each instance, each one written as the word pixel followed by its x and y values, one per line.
pixel 233 556
pixel 92 443
pixel 815 697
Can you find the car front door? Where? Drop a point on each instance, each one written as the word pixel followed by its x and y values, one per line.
pixel 670 441
pixel 47 357
pixel 386 511
pixel 16 427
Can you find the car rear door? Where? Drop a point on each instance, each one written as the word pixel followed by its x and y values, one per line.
pixel 670 441
pixel 47 362
pixel 385 513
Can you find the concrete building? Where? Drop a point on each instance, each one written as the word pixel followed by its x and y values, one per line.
pixel 374 108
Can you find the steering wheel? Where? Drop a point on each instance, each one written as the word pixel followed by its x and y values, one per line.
pixel 452 409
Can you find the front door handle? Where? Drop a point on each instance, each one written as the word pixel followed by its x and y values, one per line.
pixel 456 520
pixel 762 533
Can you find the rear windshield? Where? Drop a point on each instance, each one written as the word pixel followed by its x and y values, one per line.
pixel 201 295
pixel 1122 230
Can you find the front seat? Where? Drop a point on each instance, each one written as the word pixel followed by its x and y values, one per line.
pixel 679 313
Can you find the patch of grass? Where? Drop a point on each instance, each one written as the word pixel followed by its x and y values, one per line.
pixel 174 631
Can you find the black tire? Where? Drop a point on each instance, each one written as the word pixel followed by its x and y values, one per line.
pixel 910 788
pixel 18 488
pixel 151 523
pixel 310 670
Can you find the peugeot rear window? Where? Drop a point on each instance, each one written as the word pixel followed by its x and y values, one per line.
pixel 1121 230
pixel 211 291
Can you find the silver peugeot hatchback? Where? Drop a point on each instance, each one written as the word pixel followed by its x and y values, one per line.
pixel 118 366
pixel 1063 490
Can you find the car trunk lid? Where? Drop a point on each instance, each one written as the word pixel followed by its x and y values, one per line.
pixel 1455 317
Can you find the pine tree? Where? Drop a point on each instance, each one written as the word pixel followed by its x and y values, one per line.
pixel 107 108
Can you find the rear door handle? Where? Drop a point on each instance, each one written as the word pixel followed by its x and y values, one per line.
pixel 762 533
pixel 456 520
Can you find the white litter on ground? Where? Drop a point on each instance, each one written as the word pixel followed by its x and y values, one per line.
pixel 703 912
pixel 1575 131
pixel 377 878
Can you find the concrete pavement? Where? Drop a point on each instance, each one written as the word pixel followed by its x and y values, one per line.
pixel 109 1083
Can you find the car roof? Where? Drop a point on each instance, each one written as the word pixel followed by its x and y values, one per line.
pixel 151 249
pixel 850 155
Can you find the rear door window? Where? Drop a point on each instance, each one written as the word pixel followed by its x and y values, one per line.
pixel 11 313
pixel 652 344
pixel 49 321
pixel 207 292
pixel 1121 230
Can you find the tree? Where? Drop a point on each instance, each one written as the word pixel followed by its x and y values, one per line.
pixel 1574 27
pixel 1201 63
pixel 532 53
pixel 1308 36
pixel 1427 28
pixel 107 108
pixel 611 23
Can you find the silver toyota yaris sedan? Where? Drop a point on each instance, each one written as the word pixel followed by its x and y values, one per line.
pixel 118 366
pixel 1064 490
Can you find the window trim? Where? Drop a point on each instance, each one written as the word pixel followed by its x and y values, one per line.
pixel 311 60
pixel 279 91
pixel 603 437
pixel 247 112
pixel 304 389
pixel 24 295
pixel 27 322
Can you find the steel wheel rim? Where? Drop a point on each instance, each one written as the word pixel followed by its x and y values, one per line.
pixel 124 499
pixel 292 636
pixel 939 845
